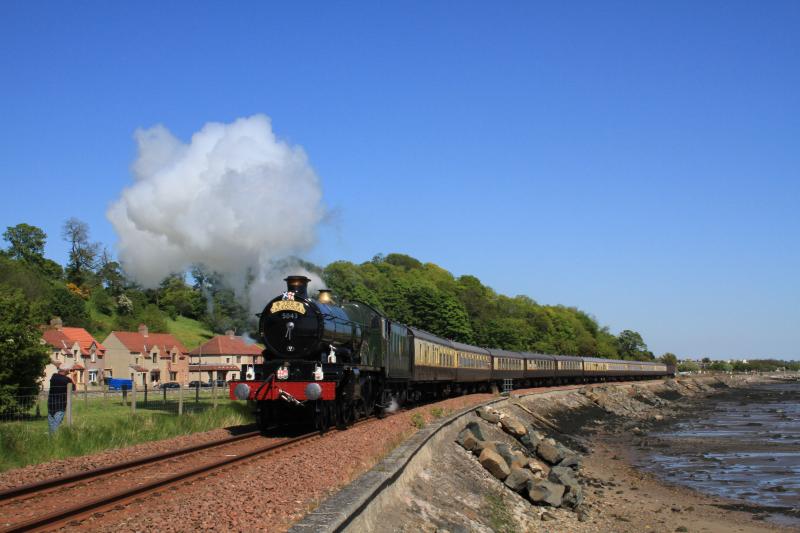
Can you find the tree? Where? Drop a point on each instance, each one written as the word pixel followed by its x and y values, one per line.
pixel 22 355
pixel 631 345
pixel 26 243
pixel 82 254
pixel 177 298
pixel 669 359
pixel 69 306
pixel 110 274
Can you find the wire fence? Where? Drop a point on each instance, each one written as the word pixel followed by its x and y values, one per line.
pixel 32 405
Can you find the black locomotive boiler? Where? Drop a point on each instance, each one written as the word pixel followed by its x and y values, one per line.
pixel 332 363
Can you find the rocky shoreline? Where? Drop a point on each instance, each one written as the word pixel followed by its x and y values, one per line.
pixel 599 427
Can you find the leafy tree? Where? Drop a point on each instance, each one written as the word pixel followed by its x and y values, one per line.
pixel 26 243
pixel 110 274
pixel 688 366
pixel 70 307
pixel 102 301
pixel 22 356
pixel 177 298
pixel 721 366
pixel 631 345
pixel 82 255
pixel 669 359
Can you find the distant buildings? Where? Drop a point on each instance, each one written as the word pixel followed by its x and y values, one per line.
pixel 222 357
pixel 77 348
pixel 149 358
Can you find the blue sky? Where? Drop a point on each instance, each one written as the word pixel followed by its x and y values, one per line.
pixel 640 161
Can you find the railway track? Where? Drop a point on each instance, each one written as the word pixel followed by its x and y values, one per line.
pixel 39 506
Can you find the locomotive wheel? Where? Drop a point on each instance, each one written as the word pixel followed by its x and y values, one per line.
pixel 321 416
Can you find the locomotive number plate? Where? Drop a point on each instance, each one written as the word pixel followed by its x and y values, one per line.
pixel 287 305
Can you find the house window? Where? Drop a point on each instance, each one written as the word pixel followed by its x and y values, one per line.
pixel 227 359
pixel 173 357
pixel 238 358
pixel 94 357
pixel 74 353
pixel 173 375
pixel 93 377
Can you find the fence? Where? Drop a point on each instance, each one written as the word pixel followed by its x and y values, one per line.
pixel 32 404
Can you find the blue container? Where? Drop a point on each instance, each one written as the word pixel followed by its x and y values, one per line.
pixel 119 384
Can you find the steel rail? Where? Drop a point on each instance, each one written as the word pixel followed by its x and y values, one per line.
pixel 81 511
pixel 40 486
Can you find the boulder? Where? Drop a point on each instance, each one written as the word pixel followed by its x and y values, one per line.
pixel 518 479
pixel 475 428
pixel 550 451
pixel 519 459
pixel 489 416
pixel 513 426
pixel 539 468
pixel 482 445
pixel 505 451
pixel 572 460
pixel 470 442
pixel 494 463
pixel 543 491
pixel 566 476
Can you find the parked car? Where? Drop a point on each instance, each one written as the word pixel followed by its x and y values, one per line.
pixel 171 385
pixel 221 383
pixel 195 384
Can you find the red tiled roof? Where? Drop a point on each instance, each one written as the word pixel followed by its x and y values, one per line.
pixel 136 342
pixel 227 345
pixel 65 337
pixel 137 368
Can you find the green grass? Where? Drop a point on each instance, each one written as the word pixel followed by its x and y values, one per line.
pixel 102 323
pixel 500 518
pixel 417 420
pixel 104 424
pixel 190 332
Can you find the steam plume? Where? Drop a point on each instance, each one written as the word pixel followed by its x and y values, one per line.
pixel 235 198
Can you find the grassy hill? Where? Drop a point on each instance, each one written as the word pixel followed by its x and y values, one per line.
pixel 191 333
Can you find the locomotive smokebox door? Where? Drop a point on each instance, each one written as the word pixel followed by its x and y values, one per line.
pixel 298 285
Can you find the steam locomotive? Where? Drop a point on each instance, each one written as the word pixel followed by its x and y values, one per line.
pixel 334 363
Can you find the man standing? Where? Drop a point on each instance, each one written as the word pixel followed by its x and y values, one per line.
pixel 57 398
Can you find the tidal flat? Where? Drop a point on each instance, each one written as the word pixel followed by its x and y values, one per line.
pixel 742 445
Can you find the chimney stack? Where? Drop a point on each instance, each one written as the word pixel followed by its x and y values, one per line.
pixel 143 330
pixel 298 285
pixel 56 323
pixel 229 333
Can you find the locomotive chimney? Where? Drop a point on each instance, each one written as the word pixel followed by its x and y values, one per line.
pixel 298 285
pixel 325 296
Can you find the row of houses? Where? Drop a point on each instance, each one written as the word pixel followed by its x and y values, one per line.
pixel 148 358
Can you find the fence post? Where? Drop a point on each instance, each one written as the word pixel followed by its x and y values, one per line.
pixel 164 389
pixel 85 394
pixel 68 414
pixel 214 394
pixel 197 393
pixel 133 398
pixel 145 393
pixel 180 400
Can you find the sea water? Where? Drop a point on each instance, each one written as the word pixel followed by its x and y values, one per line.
pixel 743 446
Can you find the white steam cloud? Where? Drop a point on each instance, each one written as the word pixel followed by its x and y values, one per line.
pixel 235 198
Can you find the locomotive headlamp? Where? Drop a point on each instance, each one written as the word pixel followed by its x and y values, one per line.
pixel 313 391
pixel 325 296
pixel 242 391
